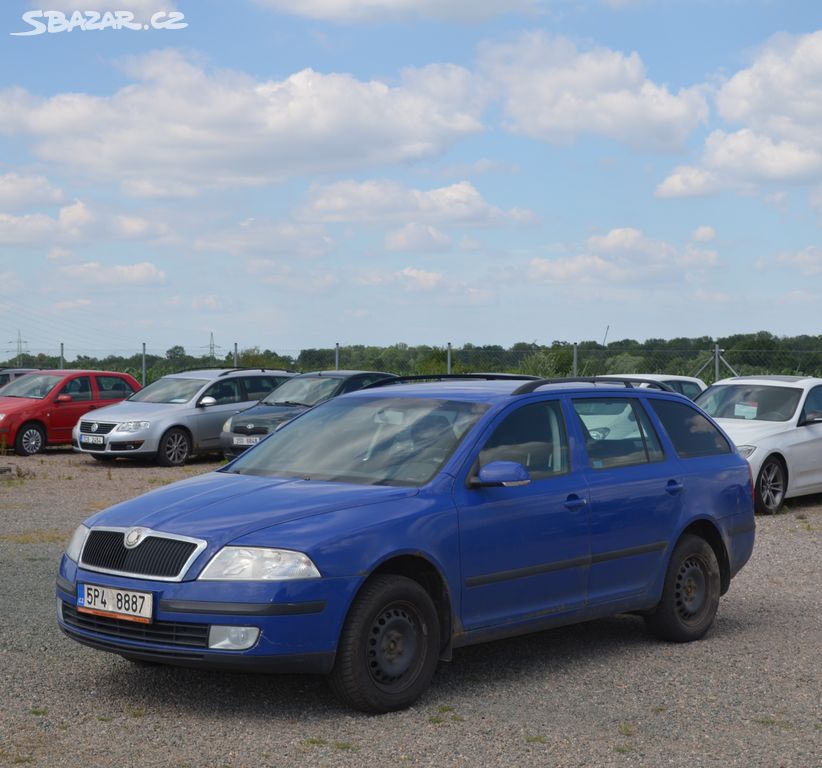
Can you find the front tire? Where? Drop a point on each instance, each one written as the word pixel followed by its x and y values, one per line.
pixel 690 596
pixel 30 439
pixel 770 487
pixel 389 647
pixel 174 449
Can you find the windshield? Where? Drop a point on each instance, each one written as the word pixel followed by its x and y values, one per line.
pixel 373 441
pixel 169 390
pixel 750 402
pixel 34 385
pixel 308 390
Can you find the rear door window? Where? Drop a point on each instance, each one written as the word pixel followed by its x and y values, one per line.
pixel 690 432
pixel 257 387
pixel 113 388
pixel 618 432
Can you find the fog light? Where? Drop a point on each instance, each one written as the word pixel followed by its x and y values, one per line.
pixel 232 638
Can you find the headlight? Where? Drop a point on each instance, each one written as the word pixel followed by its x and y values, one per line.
pixel 132 426
pixel 2 416
pixel 75 546
pixel 258 564
pixel 745 450
pixel 227 425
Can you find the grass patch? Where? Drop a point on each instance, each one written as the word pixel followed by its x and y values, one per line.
pixel 315 742
pixel 626 729
pixel 536 740
pixel 38 711
pixel 345 746
pixel 622 749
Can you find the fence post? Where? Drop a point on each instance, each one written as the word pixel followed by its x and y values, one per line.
pixel 62 357
pixel 576 360
pixel 143 380
pixel 236 358
pixel 337 356
pixel 448 371
pixel 717 357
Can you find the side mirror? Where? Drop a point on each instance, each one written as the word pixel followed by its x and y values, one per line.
pixel 812 417
pixel 505 474
pixel 64 399
pixel 206 402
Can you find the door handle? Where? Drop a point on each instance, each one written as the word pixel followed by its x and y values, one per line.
pixel 574 502
pixel 674 487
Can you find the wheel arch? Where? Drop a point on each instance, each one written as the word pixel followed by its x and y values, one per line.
pixel 708 531
pixel 777 454
pixel 27 423
pixel 419 568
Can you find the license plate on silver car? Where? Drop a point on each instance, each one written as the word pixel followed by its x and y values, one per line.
pixel 115 603
pixel 92 439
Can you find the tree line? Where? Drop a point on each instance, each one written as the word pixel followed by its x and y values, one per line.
pixel 760 352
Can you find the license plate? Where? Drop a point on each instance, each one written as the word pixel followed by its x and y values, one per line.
pixel 116 603
pixel 93 439
pixel 246 440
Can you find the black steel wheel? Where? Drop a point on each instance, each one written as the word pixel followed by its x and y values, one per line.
pixel 389 647
pixel 174 449
pixel 771 486
pixel 31 439
pixel 690 596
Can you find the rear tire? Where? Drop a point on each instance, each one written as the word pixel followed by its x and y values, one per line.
pixel 690 596
pixel 174 448
pixel 30 439
pixel 389 647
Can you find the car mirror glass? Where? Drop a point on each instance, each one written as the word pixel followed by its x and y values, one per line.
pixel 207 402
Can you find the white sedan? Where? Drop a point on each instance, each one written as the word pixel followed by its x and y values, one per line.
pixel 776 423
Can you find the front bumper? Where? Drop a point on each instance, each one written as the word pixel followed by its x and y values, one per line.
pixel 299 621
pixel 143 443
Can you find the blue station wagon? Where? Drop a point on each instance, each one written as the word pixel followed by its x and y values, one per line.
pixel 375 533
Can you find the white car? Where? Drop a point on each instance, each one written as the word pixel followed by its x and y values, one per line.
pixel 776 423
pixel 690 386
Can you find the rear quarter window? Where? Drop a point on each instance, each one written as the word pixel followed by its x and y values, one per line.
pixel 690 432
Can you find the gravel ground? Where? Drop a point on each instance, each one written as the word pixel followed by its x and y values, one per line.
pixel 598 694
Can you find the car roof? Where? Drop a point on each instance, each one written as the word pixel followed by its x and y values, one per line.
pixel 73 371
pixel 207 374
pixel 490 390
pixel 654 377
pixel 343 374
pixel 776 380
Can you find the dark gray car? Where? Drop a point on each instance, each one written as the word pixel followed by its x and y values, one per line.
pixel 250 426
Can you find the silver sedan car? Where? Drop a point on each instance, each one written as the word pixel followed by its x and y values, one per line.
pixel 175 417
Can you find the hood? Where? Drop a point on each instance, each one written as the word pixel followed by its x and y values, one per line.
pixel 15 404
pixel 263 415
pixel 126 410
pixel 751 431
pixel 221 507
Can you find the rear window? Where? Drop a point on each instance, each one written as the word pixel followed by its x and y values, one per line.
pixel 618 432
pixel 690 432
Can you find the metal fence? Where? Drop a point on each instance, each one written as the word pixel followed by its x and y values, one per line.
pixel 707 361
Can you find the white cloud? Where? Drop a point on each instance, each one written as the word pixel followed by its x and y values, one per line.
pixel 18 191
pixel 711 297
pixel 777 102
pixel 420 278
pixel 268 237
pixel 11 282
pixel 378 10
pixel 553 91
pixel 72 304
pixel 389 201
pixel 807 262
pixel 121 274
pixel 417 237
pixel 179 128
pixel 703 234
pixel 627 256
pixel 38 228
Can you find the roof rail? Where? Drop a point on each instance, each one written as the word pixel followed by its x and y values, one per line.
pixel 450 377
pixel 628 381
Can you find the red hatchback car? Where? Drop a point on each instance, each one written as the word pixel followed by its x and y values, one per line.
pixel 40 409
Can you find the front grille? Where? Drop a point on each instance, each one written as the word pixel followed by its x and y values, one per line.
pixel 156 556
pixel 102 429
pixel 255 429
pixel 160 632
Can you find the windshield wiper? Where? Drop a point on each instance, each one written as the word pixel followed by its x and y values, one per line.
pixel 290 402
